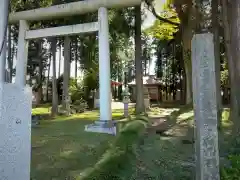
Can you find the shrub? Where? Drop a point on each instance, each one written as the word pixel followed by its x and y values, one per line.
pixel 119 156
pixel 231 172
pixel 79 106
pixel 76 90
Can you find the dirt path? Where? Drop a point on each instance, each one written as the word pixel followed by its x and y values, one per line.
pixel 167 155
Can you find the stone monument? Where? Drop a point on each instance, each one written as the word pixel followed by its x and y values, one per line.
pixel 15 114
pixel 205 107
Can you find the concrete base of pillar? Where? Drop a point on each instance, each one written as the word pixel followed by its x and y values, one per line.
pixel 15 131
pixel 105 127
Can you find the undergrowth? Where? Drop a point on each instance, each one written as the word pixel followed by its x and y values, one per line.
pixel 231 171
pixel 120 154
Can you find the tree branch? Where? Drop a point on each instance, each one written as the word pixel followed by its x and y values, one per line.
pixel 153 10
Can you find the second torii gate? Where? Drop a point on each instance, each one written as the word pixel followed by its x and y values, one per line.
pixel 15 99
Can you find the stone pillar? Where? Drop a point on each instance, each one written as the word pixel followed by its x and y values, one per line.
pixel 104 66
pixel 15 131
pixel 205 107
pixel 105 123
pixel 15 115
pixel 15 118
pixel 3 37
pixel 22 54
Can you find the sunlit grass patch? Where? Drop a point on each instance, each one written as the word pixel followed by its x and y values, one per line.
pixel 41 110
pixel 226 122
pixel 87 115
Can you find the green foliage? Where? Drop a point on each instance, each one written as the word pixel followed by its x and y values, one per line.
pixel 37 61
pixel 79 106
pixel 118 158
pixel 162 30
pixel 77 93
pixel 224 74
pixel 76 90
pixel 233 171
pixel 90 82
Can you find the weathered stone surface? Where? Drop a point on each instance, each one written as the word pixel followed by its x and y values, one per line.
pixel 104 66
pixel 205 107
pixel 15 129
pixel 106 127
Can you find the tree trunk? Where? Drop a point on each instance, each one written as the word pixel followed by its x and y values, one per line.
pixel 76 60
pixel 145 66
pixel 235 62
pixel 186 40
pixel 66 74
pixel 49 67
pixel 59 62
pixel 54 79
pixel 10 59
pixel 40 76
pixel 183 80
pixel 215 30
pixel 13 53
pixel 188 23
pixel 138 62
pixel 234 113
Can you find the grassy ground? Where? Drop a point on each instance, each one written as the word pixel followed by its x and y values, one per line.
pixel 61 149
pixel 171 157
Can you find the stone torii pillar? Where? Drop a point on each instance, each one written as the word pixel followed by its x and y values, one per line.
pixel 104 66
pixel 104 125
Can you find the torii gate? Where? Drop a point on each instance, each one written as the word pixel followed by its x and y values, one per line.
pixel 16 99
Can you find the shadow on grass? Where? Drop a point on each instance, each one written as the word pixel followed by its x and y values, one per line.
pixel 165 158
pixel 168 157
pixel 116 163
pixel 61 149
pixel 173 118
pixel 172 157
pixel 175 114
pixel 227 140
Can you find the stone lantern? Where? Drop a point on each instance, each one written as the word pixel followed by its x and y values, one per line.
pixel 146 98
pixel 126 101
